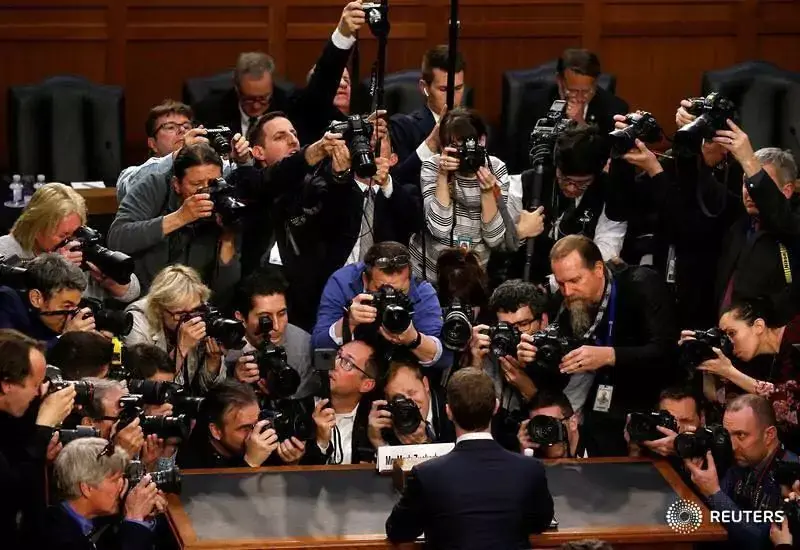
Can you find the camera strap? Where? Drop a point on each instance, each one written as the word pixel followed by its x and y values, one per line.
pixel 787 266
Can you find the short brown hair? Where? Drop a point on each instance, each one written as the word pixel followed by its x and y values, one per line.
pixel 579 60
pixel 585 247
pixel 397 365
pixel 438 57
pixel 461 123
pixel 472 399
pixel 385 249
pixel 15 355
pixel 761 407
pixel 166 107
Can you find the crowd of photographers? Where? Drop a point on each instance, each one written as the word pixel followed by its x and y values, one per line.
pixel 288 291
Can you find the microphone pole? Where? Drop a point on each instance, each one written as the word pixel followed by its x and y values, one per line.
pixel 452 52
pixel 535 177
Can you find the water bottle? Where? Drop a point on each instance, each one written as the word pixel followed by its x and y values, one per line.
pixel 16 193
pixel 27 189
pixel 39 182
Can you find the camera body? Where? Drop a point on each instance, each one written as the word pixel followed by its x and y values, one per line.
pixel 504 339
pixel 228 332
pixel 66 436
pixel 547 430
pixel 377 18
pixel 12 274
pixel 712 113
pixel 289 420
pixel 226 202
pixel 714 438
pixel 694 352
pixel 406 416
pixel 115 265
pixel 643 425
pixel 394 308
pixel 356 132
pixel 220 139
pixel 641 125
pixel 545 133
pixel 282 380
pixel 153 392
pixel 118 323
pixel 457 326
pixel 791 508
pixel 551 347
pixel 168 481
pixel 84 391
pixel 265 325
pixel 165 427
pixel 472 155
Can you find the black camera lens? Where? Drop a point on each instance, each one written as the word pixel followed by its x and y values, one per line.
pixel 153 392
pixel 84 391
pixel 220 139
pixel 457 327
pixel 406 416
pixel 165 427
pixel 282 380
pixel 66 436
pixel 644 426
pixel 396 319
pixel 265 325
pixel 695 352
pixel 187 405
pixel 546 430
pixel 168 481
pixel 641 126
pixel 118 323
pixel 505 339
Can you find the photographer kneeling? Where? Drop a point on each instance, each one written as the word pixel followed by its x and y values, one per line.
pixel 91 484
pixel 412 413
pixel 174 316
pixel 552 429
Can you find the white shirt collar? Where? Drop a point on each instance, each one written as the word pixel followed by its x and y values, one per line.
pixel 429 419
pixel 351 414
pixel 435 116
pixel 474 436
pixel 363 186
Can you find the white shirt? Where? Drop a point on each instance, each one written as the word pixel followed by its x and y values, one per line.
pixel 473 436
pixel 387 192
pixel 344 425
pixel 245 121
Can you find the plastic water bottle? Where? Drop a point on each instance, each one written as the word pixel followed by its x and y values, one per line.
pixel 16 193
pixel 27 189
pixel 39 182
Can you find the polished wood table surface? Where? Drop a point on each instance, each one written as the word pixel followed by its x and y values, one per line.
pixel 620 500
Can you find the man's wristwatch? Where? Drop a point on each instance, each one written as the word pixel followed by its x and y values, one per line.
pixel 417 341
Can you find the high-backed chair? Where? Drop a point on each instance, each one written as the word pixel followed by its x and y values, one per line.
pixel 67 128
pixel 401 92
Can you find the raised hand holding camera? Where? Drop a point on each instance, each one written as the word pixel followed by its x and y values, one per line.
pixel 72 252
pixel 260 444
pixel 246 370
pixel 141 500
pixel 361 312
pixel 706 480
pixel 240 150
pixel 432 141
pixel 190 334
pixel 82 321
pixel 56 406
pixel 380 418
pixel 353 18
pixel 196 207
pixel 291 450
pixel 130 437
pixel 325 419
pixel 738 143
pixel 526 350
pixel 721 365
pixel 448 162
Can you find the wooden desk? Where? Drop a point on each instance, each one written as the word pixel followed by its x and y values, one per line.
pixel 100 201
pixel 318 507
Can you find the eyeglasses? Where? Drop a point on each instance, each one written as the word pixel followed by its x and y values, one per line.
pixel 579 183
pixel 392 263
pixel 59 312
pixel 348 365
pixel 179 314
pixel 255 99
pixel 571 92
pixel 173 127
pixel 523 325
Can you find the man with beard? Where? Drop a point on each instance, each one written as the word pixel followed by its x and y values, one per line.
pixel 625 316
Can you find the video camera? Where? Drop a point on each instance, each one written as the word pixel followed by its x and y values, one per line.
pixel 694 352
pixel 228 332
pixel 282 380
pixel 226 203
pixel 289 419
pixel 641 125
pixel 12 274
pixel 643 426
pixel 84 391
pixel 714 438
pixel 220 139
pixel 357 131
pixel 551 347
pixel 712 112
pixel 505 338
pixel 457 326
pixel 115 265
pixel 154 392
pixel 118 323
pixel 406 416
pixel 472 155
pixel 394 309
pixel 545 133
pixel 547 430
pixel 168 481
pixel 165 427
pixel 79 432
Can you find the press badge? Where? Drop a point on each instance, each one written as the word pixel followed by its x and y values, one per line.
pixel 464 243
pixel 602 402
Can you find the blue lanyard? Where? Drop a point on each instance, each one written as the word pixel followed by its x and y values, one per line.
pixel 612 314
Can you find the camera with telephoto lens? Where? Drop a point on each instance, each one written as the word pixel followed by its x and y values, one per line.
pixel 457 326
pixel 551 347
pixel 641 125
pixel 114 265
pixel 471 154
pixel 228 332
pixel 545 133
pixel 226 202
pixel 289 420
pixel 168 481
pixel 714 438
pixel 282 380
pixel 118 323
pixel 79 432
pixel 394 309
pixel 712 112
pixel 12 273
pixel 547 430
pixel 695 352
pixel 220 139
pixel 643 426
pixel 406 416
pixel 356 132
pixel 159 392
pixel 165 427
pixel 505 338
pixel 84 391
pixel 787 473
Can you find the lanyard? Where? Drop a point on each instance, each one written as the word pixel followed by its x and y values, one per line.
pixel 612 314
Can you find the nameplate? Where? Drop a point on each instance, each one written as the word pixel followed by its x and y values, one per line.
pixel 82 185
pixel 388 453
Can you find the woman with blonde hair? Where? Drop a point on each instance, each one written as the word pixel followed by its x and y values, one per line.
pixel 168 317
pixel 55 212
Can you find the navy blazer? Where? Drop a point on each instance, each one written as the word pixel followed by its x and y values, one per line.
pixel 478 496
pixel 407 132
pixel 61 532
pixel 17 314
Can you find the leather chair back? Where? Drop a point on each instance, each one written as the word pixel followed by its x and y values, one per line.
pixel 196 90
pixel 402 95
pixel 67 128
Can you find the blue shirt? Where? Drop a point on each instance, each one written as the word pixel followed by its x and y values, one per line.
pixel 87 526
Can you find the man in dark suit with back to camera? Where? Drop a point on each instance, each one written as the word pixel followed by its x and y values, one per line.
pixel 480 495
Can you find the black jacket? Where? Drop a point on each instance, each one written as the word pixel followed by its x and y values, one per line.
pixel 361 448
pixel 61 532
pixel 222 109
pixel 751 256
pixel 407 133
pixel 17 314
pixel 478 496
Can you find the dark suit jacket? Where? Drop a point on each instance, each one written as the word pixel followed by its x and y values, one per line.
pixel 360 447
pixel 535 104
pixel 220 109
pixel 478 496
pixel 443 428
pixel 61 532
pixel 407 133
pixel 15 313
